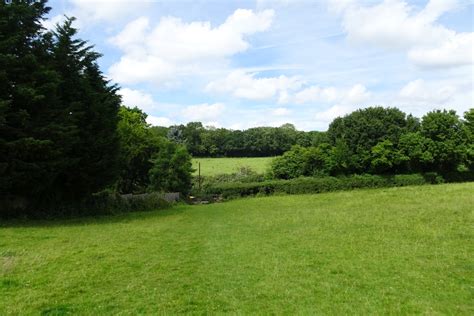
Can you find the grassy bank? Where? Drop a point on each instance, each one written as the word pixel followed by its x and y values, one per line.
pixel 399 250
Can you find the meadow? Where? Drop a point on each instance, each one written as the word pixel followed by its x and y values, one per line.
pixel 215 166
pixel 384 251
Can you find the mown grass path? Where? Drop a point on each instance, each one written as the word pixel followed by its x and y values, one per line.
pixel 395 251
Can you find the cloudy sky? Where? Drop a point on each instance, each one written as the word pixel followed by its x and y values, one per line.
pixel 239 64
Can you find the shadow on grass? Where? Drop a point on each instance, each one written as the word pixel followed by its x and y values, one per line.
pixel 94 220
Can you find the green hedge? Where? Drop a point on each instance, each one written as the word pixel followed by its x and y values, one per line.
pixel 324 184
pixel 114 203
pixel 104 203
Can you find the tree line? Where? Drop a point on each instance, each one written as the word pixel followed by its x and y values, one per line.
pixel 254 142
pixel 381 140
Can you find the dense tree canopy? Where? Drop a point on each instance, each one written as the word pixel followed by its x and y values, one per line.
pixel 137 145
pixel 172 168
pixel 385 141
pixel 62 137
pixel 58 114
pixel 149 161
pixel 363 129
pixel 254 142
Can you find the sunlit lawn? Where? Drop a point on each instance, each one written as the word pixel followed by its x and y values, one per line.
pixel 385 251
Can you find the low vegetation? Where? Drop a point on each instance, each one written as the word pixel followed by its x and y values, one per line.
pixel 233 189
pixel 384 251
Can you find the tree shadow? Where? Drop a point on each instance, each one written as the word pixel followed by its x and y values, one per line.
pixel 94 220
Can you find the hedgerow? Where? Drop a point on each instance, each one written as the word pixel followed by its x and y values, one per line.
pixel 327 184
pixel 104 203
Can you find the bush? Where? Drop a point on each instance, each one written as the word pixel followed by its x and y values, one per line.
pixel 172 169
pixel 243 175
pixel 465 176
pixel 103 203
pixel 110 203
pixel 318 185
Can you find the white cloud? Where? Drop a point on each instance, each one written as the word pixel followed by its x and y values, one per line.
pixel 394 24
pixel 136 98
pixel 315 93
pixel 245 85
pixel 339 6
pixel 419 91
pixel 50 24
pixel 203 112
pixel 355 95
pixel 456 51
pixel 159 121
pixel 88 11
pixel 130 70
pixel 275 3
pixel 281 112
pixel 174 48
pixel 328 115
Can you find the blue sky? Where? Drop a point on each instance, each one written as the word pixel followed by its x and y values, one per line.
pixel 239 64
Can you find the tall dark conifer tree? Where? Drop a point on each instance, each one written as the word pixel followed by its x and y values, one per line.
pixel 58 115
pixel 27 89
pixel 92 108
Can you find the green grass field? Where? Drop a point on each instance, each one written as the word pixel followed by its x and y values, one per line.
pixel 215 166
pixel 386 251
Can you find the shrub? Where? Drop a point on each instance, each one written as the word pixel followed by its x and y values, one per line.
pixel 318 185
pixel 172 169
pixel 103 203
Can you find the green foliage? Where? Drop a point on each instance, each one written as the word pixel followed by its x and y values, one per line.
pixel 149 161
pixel 321 184
pixel 415 147
pixel 385 158
pixel 90 142
pixel 469 127
pixel 102 203
pixel 254 142
pixel 27 87
pixel 172 169
pixel 58 114
pixel 469 121
pixel 112 203
pixel 385 141
pixel 448 140
pixel 291 164
pixel 137 146
pixel 363 129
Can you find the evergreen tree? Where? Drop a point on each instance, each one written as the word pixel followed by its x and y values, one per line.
pixel 91 105
pixel 172 169
pixel 58 115
pixel 27 88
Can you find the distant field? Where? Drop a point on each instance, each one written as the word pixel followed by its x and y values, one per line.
pixel 214 166
pixel 391 251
